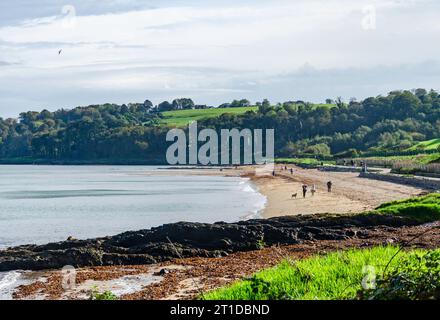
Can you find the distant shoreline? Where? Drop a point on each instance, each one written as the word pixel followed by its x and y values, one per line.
pixel 133 162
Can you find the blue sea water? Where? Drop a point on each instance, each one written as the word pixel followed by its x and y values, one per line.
pixel 40 204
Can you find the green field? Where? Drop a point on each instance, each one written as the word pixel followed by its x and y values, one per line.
pixel 433 144
pixel 325 105
pixel 333 276
pixel 305 161
pixel 180 118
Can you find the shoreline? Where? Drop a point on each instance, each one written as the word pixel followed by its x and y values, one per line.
pixel 350 193
pixel 184 273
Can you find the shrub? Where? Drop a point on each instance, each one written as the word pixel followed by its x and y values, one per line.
pixel 416 278
pixel 106 295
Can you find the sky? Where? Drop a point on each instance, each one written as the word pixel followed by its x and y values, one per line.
pixel 122 51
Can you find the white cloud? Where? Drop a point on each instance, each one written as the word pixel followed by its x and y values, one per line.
pixel 201 48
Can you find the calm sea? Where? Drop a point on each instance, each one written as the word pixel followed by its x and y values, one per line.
pixel 40 204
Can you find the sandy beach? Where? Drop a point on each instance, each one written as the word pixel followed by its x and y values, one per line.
pixel 350 193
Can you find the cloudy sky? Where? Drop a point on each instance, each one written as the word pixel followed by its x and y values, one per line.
pixel 212 51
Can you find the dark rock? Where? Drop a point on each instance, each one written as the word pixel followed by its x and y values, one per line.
pixel 162 272
pixel 181 240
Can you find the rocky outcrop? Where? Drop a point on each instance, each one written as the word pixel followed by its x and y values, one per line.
pixel 192 239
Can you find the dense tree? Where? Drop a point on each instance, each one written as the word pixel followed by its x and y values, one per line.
pixel 377 124
pixel 182 104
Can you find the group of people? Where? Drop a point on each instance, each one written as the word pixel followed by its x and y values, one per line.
pixel 305 188
pixel 281 169
pixel 362 164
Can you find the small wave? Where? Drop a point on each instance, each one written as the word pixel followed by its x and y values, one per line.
pixel 8 283
pixel 243 181
pixel 248 188
pixel 259 204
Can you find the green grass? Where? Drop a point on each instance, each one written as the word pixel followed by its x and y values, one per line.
pixel 180 118
pixel 307 161
pixel 336 275
pixel 433 144
pixel 339 275
pixel 324 105
pixel 95 294
pixel 423 209
pixel 388 161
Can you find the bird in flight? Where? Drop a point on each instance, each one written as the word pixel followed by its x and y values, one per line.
pixel 59 52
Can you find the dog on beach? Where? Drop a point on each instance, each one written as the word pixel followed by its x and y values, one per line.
pixel 294 195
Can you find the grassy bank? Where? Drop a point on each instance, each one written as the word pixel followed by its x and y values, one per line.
pixel 334 276
pixel 342 275
pixel 388 162
pixel 423 209
pixel 433 144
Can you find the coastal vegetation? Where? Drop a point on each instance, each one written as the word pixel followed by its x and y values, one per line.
pixel 95 294
pixel 375 273
pixel 423 209
pixel 433 144
pixel 390 161
pixel 304 161
pixel 398 124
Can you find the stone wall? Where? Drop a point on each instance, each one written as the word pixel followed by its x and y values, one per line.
pixel 344 169
pixel 418 182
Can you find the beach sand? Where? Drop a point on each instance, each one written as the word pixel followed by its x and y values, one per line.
pixel 350 194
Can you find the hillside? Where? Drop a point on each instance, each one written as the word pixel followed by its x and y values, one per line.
pixel 429 145
pixel 135 133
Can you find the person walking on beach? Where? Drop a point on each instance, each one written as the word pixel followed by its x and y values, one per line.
pixel 329 186
pixel 364 167
pixel 304 187
pixel 313 190
pixel 291 170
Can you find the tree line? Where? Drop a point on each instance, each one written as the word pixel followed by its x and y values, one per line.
pixel 390 123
